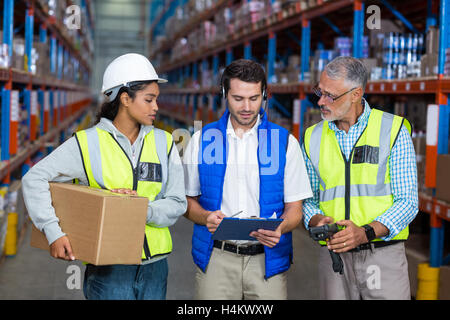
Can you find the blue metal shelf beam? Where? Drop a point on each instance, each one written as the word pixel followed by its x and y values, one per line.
pixel 306 48
pixel 399 16
pixel 248 50
pixel 334 27
pixel 29 30
pixel 8 34
pixel 437 227
pixel 358 29
pixel 431 17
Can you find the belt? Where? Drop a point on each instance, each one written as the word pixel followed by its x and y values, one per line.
pixel 248 250
pixel 376 244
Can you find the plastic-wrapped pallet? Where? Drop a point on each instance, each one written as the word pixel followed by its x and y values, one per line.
pixel 3 218
pixel 15 222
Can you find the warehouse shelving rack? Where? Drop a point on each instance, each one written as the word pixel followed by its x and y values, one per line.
pixel 58 102
pixel 189 101
pixel 54 103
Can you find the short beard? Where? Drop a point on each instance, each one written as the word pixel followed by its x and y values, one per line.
pixel 336 117
pixel 251 121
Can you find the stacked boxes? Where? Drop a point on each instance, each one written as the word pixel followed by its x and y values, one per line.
pixel 254 11
pixel 312 116
pixel 447 62
pixel 318 63
pixel 18 54
pixel 400 50
pixel 443 177
pixel 398 54
pixel 429 61
pixel 5 59
pixel 224 27
pixel 343 46
pixel 293 69
pixel 227 22
pixel 419 141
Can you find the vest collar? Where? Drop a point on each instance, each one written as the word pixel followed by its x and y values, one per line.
pixel 107 125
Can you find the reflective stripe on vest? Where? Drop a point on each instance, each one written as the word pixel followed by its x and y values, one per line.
pixel 358 189
pixel 107 166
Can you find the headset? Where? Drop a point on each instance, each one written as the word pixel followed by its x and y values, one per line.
pixel 223 93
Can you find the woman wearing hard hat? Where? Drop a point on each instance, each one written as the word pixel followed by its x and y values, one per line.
pixel 124 135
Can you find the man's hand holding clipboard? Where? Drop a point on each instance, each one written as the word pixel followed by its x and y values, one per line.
pixel 213 220
pixel 269 238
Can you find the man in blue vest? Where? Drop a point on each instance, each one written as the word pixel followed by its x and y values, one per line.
pixel 243 166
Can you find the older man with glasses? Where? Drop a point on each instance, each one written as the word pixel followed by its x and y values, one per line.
pixel 362 167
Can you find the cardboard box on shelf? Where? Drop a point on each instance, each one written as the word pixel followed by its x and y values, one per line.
pixel 420 145
pixel 429 65
pixel 369 64
pixel 17 61
pixel 444 279
pixel 432 40
pixel 312 116
pixel 293 74
pixel 103 228
pixel 443 177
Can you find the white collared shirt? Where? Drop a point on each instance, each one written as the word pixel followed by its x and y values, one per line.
pixel 241 183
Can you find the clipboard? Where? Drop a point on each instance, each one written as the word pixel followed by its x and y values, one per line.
pixel 240 229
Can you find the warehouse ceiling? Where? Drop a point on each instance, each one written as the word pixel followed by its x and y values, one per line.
pixel 120 27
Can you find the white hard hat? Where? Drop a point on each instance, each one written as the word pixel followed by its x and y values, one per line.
pixel 125 69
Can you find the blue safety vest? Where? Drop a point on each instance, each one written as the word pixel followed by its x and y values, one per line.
pixel 272 146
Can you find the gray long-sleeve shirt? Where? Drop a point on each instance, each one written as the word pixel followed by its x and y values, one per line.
pixel 65 164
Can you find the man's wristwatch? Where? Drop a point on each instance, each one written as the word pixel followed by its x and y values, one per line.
pixel 370 233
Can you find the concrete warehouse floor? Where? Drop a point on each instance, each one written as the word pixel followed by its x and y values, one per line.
pixel 33 274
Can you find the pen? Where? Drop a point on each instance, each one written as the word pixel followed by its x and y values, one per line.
pixel 234 215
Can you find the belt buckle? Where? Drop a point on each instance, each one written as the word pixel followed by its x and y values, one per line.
pixel 238 246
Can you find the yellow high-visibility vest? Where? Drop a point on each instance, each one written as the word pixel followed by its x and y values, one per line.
pixel 107 166
pixel 359 189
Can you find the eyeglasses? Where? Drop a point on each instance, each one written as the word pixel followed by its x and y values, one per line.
pixel 329 99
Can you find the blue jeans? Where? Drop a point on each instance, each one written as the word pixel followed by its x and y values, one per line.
pixel 126 282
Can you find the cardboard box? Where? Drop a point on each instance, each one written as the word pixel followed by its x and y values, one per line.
pixel 103 227
pixel 443 177
pixel 429 65
pixel 420 145
pixel 369 64
pixel 432 41
pixel 444 277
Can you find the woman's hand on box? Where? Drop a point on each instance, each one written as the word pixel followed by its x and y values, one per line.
pixel 125 191
pixel 61 249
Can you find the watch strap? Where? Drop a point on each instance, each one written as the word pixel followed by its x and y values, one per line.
pixel 370 232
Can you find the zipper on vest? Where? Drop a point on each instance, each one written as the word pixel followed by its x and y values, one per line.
pixel 347 185
pixel 135 170
pixel 135 185
pixel 347 175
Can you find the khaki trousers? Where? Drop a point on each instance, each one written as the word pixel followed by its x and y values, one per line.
pixel 378 274
pixel 230 276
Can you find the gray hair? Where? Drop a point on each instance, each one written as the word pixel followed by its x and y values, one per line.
pixel 350 69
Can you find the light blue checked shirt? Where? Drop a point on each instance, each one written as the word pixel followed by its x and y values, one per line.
pixel 402 169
